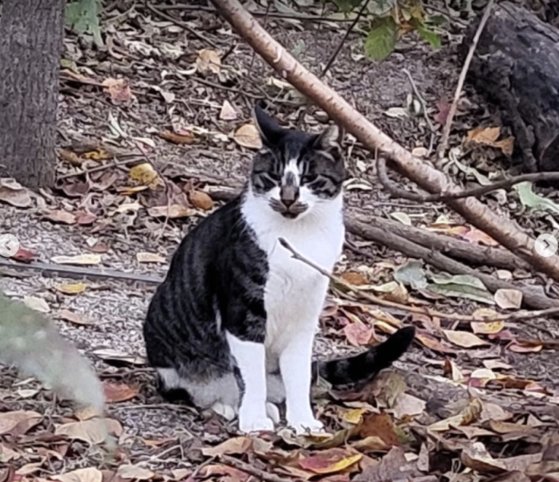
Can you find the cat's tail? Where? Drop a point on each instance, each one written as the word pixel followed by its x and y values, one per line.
pixel 364 366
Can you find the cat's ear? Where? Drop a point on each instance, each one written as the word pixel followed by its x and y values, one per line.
pixel 270 131
pixel 330 139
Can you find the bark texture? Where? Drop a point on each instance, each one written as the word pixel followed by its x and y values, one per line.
pixel 516 65
pixel 32 34
pixel 426 176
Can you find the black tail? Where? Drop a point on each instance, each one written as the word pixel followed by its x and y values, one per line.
pixel 363 367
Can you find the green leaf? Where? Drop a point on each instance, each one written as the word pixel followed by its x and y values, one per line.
pixel 381 39
pixel 347 5
pixel 429 36
pixel 83 17
pixel 411 274
pixel 530 199
pixel 461 286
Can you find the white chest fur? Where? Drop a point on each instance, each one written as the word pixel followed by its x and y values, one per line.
pixel 295 292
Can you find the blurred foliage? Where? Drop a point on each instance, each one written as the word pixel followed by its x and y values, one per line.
pixel 83 17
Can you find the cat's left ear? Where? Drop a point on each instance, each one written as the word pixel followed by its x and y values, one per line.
pixel 330 139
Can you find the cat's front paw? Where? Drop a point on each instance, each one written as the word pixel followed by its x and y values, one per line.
pixel 306 425
pixel 255 424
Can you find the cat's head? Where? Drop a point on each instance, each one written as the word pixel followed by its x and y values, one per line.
pixel 296 171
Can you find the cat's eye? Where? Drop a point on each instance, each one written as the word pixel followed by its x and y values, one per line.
pixel 308 178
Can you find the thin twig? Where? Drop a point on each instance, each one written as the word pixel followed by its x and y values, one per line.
pixel 182 24
pixel 102 167
pixel 520 315
pixel 257 13
pixel 423 103
pixel 252 470
pixel 78 272
pixel 344 38
pixel 395 190
pixel 461 80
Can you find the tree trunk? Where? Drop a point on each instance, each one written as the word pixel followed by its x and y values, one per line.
pixel 31 33
pixel 430 179
pixel 516 65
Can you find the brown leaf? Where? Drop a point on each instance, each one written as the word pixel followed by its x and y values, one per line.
pixel 354 278
pixel 379 425
pixel 89 474
pixel 85 218
pixel 434 344
pixel 18 422
pixel 24 255
pixel 119 392
pixel 488 136
pixel 467 416
pixel 525 346
pixel 232 446
pixel 330 461
pixel 174 211
pixel 408 406
pixel 359 334
pixel 392 467
pixel 208 61
pixel 70 157
pixel 185 137
pixel 201 200
pixel 93 431
pixel 508 298
pixel 119 90
pixel 248 136
pixel 72 317
pixel 465 339
pixel 224 472
pixel 60 216
pixel 13 193
pixel 134 472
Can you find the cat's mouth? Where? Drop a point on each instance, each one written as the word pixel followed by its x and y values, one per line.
pixel 290 212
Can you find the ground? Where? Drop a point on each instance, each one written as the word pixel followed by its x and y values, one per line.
pixel 168 110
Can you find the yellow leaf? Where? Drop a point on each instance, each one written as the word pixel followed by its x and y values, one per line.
pixel 143 173
pixel 201 200
pixel 145 257
pixel 464 339
pixel 488 136
pixel 81 259
pixel 354 415
pixel 329 461
pixel 71 288
pixel 487 328
pixel 248 136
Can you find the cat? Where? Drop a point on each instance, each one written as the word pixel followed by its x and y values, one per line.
pixel 232 325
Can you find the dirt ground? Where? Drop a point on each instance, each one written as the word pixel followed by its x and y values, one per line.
pixel 503 391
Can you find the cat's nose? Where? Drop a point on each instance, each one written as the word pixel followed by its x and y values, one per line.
pixel 288 195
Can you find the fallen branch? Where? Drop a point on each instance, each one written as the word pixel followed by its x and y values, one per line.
pixel 521 315
pixel 77 272
pixel 534 297
pixel 454 106
pixel 369 135
pixel 397 191
pixel 264 475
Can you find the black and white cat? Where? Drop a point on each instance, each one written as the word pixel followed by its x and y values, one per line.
pixel 232 326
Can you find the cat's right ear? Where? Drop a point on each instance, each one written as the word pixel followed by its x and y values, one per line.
pixel 270 131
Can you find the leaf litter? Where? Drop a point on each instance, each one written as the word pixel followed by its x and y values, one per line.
pixel 385 430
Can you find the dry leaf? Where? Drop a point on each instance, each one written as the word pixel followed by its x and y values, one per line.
pixel 227 111
pixel 200 200
pixel 60 216
pixel 134 472
pixel 37 304
pixel 80 259
pixel 119 90
pixel 379 425
pixel 13 193
pixel 185 137
pixel 476 456
pixel 145 257
pixel 496 365
pixel 408 406
pixel 235 445
pixel 487 328
pixel 330 461
pixel 354 415
pixel 24 255
pixel 119 392
pixel 93 431
pixel 469 414
pixel 89 474
pixel 359 334
pixel 248 136
pixel 488 136
pixel 18 422
pixel 452 370
pixel 525 346
pixel 71 288
pixel 508 298
pixel 144 174
pixel 208 61
pixel 434 344
pixel 9 245
pixel 392 467
pixel 174 211
pixel 465 339
pixel 354 278
pixel 72 317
